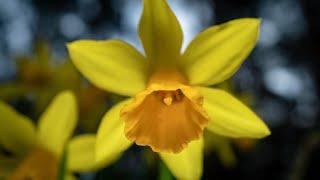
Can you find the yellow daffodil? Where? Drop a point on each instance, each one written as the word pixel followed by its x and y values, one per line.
pixel 92 105
pixel 35 152
pixel 41 78
pixel 171 104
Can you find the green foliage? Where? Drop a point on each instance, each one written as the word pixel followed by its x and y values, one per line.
pixel 63 166
pixel 164 173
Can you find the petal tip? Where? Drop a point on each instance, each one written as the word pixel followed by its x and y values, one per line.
pixel 266 132
pixel 74 45
pixel 253 21
pixel 68 94
pixel 72 49
pixel 263 131
pixel 71 45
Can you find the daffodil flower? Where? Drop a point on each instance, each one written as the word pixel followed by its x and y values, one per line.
pixel 170 104
pixel 39 77
pixel 35 152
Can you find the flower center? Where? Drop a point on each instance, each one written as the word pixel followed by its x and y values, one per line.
pixel 37 165
pixel 167 115
pixel 31 74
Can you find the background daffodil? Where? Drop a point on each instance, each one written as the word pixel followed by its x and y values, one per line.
pixel 35 152
pixel 41 77
pixel 171 104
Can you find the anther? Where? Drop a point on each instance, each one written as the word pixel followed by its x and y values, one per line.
pixel 168 100
pixel 177 95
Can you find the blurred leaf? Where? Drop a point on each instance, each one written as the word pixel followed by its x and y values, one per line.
pixel 226 155
pixel 63 166
pixel 222 147
pixel 164 173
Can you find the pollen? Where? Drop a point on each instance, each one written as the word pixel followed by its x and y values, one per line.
pixel 168 100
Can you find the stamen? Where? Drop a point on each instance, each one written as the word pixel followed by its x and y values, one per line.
pixel 168 97
pixel 168 100
pixel 177 95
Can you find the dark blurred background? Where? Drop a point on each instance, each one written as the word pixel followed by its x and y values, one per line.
pixel 281 76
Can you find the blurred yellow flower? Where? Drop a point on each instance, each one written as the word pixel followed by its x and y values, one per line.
pixel 35 152
pixel 42 77
pixel 92 106
pixel 171 104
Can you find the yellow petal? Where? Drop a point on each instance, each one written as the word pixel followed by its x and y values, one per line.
pixel 229 117
pixel 81 154
pixel 17 133
pixel 188 163
pixel 217 53
pixel 160 32
pixel 57 123
pixel 111 65
pixel 111 141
